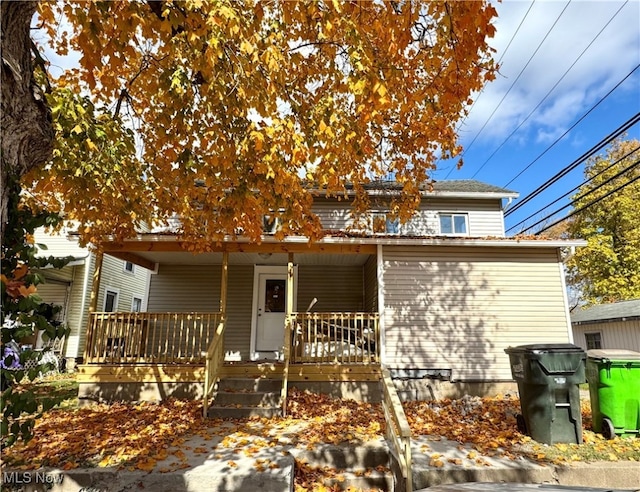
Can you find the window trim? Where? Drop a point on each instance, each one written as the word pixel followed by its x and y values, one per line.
pixel 116 301
pixel 453 215
pixel 126 270
pixel 133 298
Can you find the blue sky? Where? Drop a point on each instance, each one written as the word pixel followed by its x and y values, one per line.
pixel 530 68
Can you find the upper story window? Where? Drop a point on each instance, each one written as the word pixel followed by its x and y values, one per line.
pixel 384 223
pixel 454 224
pixel 270 224
pixel 128 267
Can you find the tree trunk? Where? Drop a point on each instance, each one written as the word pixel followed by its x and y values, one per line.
pixel 27 131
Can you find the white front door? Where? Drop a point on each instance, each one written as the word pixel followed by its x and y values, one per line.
pixel 272 308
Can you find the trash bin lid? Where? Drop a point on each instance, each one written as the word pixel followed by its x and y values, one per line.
pixel 540 348
pixel 613 354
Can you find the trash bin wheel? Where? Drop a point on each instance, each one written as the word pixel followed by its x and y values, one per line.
pixel 608 431
pixel 521 424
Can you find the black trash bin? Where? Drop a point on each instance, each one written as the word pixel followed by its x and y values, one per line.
pixel 548 376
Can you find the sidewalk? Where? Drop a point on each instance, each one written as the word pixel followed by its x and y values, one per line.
pixel 232 457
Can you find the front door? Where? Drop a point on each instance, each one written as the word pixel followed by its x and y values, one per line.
pixel 270 309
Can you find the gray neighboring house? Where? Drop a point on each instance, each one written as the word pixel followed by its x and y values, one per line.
pixel 608 326
pixel 123 287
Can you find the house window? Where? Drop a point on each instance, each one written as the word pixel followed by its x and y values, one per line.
pixel 384 223
pixel 136 304
pixel 128 267
pixel 594 340
pixel 269 224
pixel 454 224
pixel 110 301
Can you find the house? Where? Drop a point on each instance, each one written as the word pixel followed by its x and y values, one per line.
pixel 436 299
pixel 123 288
pixel 608 326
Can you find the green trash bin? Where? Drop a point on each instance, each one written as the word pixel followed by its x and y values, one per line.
pixel 548 376
pixel 614 387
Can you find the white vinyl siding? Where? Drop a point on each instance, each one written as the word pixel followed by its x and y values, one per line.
pixel 196 288
pixel 615 334
pixel 77 311
pixel 337 288
pixel 485 217
pixel 458 308
pixel 371 285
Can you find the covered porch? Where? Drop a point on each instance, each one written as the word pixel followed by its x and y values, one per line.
pixel 278 310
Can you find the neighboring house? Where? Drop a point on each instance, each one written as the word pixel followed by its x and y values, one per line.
pixel 442 296
pixel 608 326
pixel 124 287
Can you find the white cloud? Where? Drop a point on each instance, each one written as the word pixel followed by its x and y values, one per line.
pixel 608 60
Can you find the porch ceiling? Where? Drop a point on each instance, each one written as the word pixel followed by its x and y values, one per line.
pixel 186 258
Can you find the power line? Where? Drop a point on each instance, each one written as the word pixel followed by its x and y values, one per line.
pixel 550 91
pixel 516 79
pixel 589 204
pixel 574 125
pixel 573 202
pixel 575 189
pixel 622 129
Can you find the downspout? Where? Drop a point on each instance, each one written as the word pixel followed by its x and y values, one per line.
pixel 561 263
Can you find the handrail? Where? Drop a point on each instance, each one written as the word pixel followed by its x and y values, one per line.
pixel 398 430
pixel 335 337
pixel 287 359
pixel 213 364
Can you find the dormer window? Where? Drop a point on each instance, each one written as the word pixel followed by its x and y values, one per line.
pixel 454 224
pixel 384 223
pixel 270 224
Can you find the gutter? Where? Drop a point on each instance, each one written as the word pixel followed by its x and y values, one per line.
pixel 388 241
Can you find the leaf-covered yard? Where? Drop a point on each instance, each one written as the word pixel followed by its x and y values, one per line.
pixel 142 436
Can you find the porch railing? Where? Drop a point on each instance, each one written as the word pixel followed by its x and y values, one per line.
pixel 334 337
pixel 214 362
pixel 398 431
pixel 160 338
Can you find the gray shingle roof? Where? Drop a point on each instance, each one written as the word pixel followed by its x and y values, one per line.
pixel 469 185
pixel 608 312
pixel 453 186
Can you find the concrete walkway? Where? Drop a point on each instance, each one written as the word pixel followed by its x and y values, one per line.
pixel 244 458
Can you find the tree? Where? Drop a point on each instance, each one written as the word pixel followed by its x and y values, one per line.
pixel 246 108
pixel 22 315
pixel 608 268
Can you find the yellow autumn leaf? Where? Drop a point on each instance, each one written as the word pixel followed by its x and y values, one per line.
pixel 146 464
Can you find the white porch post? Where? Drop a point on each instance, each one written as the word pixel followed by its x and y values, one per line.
pixel 223 283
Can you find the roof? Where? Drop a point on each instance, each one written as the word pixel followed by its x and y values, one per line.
pixel 456 187
pixel 608 312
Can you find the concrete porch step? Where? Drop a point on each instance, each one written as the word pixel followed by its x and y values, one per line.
pixel 246 397
pixel 257 399
pixel 249 385
pixel 243 412
pixel 353 467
